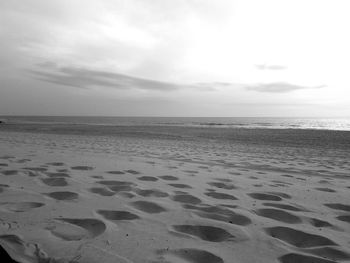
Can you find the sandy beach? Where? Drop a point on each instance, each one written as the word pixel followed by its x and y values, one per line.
pixel 191 131
pixel 173 195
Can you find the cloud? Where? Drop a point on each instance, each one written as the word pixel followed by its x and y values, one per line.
pixel 147 38
pixel 279 87
pixel 87 78
pixel 213 86
pixel 270 67
pixel 79 77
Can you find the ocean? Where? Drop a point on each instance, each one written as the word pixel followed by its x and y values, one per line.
pixel 340 124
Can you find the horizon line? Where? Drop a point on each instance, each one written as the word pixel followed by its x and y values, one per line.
pixel 155 116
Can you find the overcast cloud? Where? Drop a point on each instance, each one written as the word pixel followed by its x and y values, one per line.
pixel 183 58
pixel 279 87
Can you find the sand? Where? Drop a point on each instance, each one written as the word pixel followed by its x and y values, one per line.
pixel 81 198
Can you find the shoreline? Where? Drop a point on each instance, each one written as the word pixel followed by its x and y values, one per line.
pixel 289 137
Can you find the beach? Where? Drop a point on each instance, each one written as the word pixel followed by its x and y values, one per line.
pixel 157 193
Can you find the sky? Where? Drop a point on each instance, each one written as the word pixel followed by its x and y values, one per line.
pixel 283 58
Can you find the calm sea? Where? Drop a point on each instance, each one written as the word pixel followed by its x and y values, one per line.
pixel 214 122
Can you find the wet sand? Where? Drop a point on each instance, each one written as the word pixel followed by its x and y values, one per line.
pixel 101 198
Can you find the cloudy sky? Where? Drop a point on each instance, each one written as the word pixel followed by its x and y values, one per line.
pixel 175 57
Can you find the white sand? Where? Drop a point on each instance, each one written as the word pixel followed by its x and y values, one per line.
pixel 62 198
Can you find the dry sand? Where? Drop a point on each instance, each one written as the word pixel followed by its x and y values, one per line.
pixel 69 199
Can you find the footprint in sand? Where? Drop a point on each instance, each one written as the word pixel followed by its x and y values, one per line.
pixel 114 182
pixel 285 207
pixel 298 238
pixel 57 174
pixel 319 223
pixel 151 193
pixel 120 188
pixel 324 182
pixel 71 229
pixel 191 171
pixel 219 213
pixel 55 181
pixel 101 191
pixel 188 255
pixel 345 218
pixel 116 215
pixel 338 206
pixel 20 206
pixel 278 185
pixel 329 253
pixel 32 174
pixel 147 178
pixel 64 195
pixel 222 185
pixel 23 161
pixel 221 196
pixel 186 199
pixel 9 172
pixel 229 206
pixel 183 186
pixel 63 170
pixel 7 157
pixel 36 169
pixel 281 183
pixel 97 176
pixel 148 207
pixel 132 171
pixel 126 194
pixel 168 178
pixel 225 180
pixel 265 197
pixel 82 168
pixel 117 186
pixel 115 172
pixel 207 233
pixel 296 258
pixel 278 215
pixel 3 186
pixel 282 195
pixel 325 189
pixel 56 164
